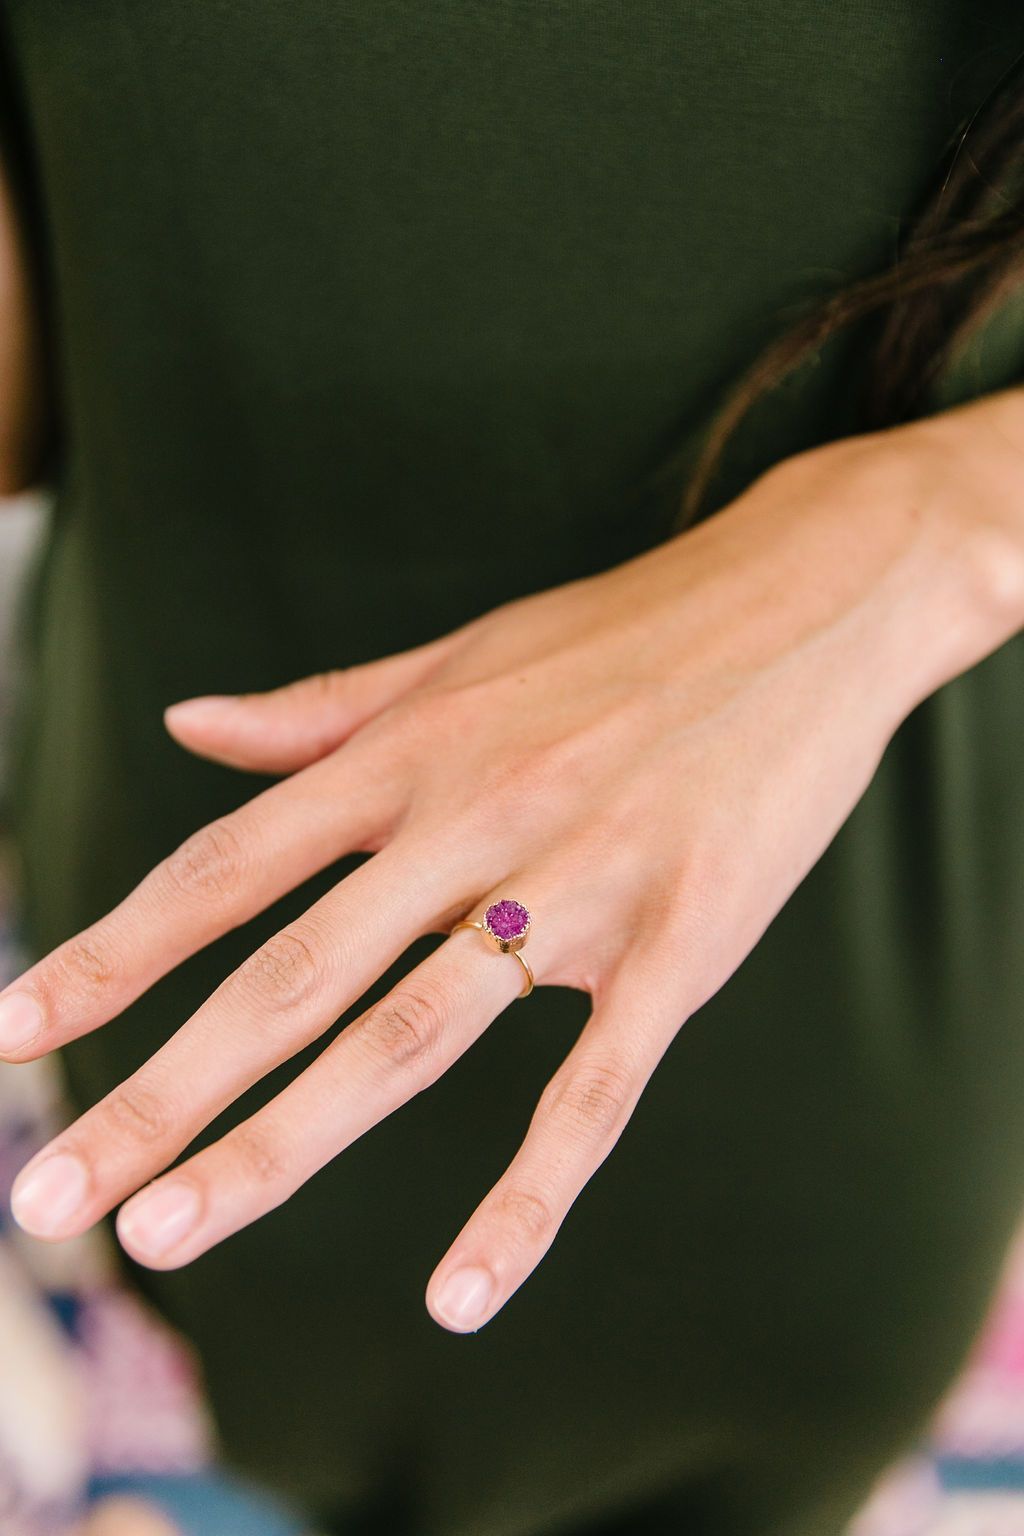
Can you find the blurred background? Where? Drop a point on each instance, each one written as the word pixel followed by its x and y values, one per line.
pixel 21 525
pixel 103 1431
pixel 103 1428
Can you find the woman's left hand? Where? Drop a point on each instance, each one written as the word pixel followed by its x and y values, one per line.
pixel 649 759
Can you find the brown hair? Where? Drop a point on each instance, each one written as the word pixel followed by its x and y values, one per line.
pixel 963 251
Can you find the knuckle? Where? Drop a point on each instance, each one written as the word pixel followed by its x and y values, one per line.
pixel 420 720
pixel 514 775
pixel 208 865
pixel 264 1155
pixel 435 704
pixel 526 1212
pixel 404 1028
pixel 136 1115
pixel 321 687
pixel 549 771
pixel 283 972
pixel 401 733
pixel 88 963
pixel 594 1099
pixel 689 907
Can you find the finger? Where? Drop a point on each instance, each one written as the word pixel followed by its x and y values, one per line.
pixel 580 1116
pixel 394 1050
pixel 286 728
pixel 218 878
pixel 280 1000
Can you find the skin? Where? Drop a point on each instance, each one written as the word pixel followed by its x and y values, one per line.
pixel 672 745
pixel 21 368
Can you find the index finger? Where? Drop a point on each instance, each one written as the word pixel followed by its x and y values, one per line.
pixel 217 879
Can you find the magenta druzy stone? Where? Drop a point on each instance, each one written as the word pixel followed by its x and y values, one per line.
pixel 507 919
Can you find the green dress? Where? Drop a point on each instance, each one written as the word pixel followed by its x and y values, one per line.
pixel 339 294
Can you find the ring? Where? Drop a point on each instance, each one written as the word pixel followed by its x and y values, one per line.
pixel 507 923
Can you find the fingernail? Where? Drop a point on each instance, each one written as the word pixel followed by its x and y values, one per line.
pixel 156 1221
pixel 46 1197
pixel 21 1019
pixel 465 1297
pixel 195 709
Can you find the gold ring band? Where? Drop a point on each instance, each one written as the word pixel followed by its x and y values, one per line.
pixel 465 923
pixel 507 923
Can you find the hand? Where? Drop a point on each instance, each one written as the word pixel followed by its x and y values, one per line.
pixel 650 759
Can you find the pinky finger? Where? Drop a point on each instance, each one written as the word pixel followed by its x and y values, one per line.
pixel 288 728
pixel 579 1118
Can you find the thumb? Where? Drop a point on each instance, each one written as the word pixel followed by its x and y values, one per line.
pixel 286 728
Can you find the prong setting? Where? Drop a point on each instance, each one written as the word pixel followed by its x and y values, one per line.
pixel 508 923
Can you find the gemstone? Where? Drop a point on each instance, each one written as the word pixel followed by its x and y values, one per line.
pixel 507 921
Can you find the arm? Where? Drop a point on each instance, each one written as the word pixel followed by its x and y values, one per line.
pixel 21 370
pixel 979 449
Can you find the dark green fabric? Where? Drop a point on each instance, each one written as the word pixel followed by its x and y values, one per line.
pixel 343 292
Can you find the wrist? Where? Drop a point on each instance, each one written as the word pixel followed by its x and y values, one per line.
pixel 978 450
pixel 896 556
pixel 940 504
